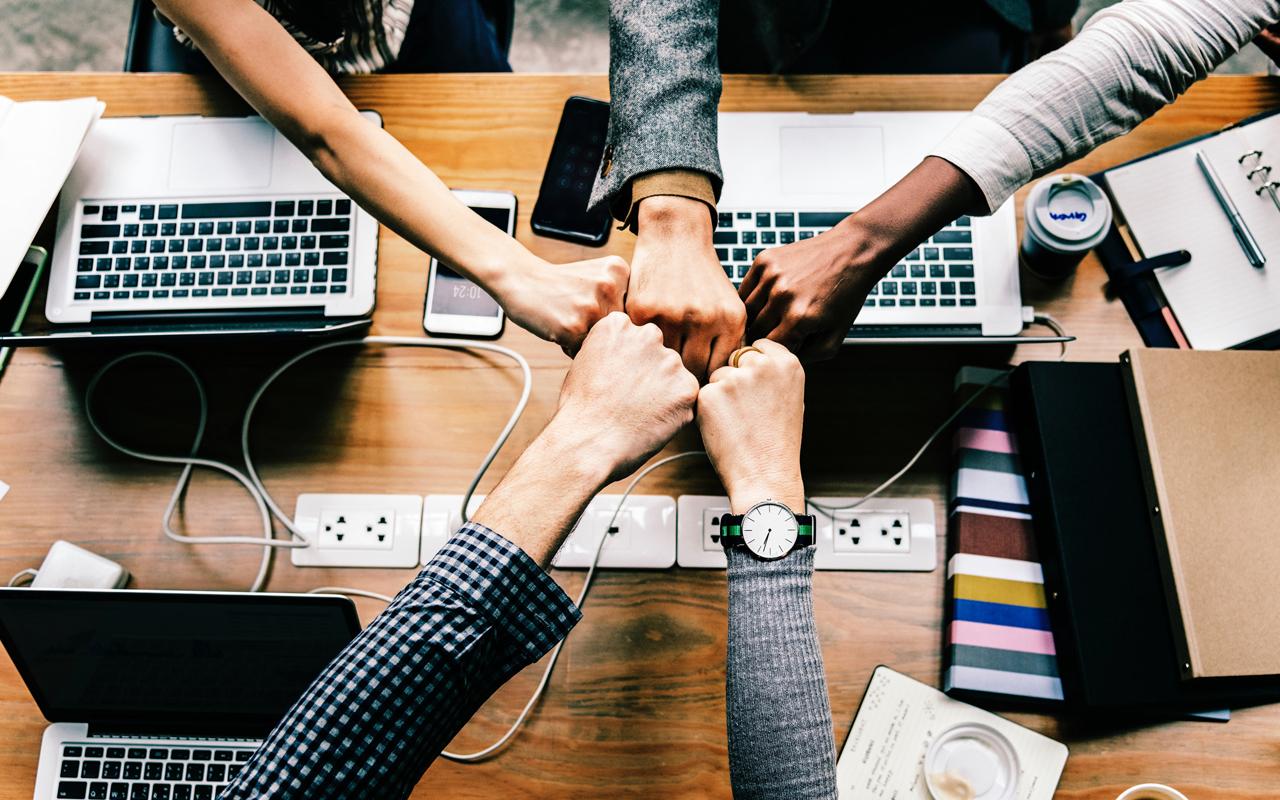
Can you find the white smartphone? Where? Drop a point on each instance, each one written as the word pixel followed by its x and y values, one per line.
pixel 455 305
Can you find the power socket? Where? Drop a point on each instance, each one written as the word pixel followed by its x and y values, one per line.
pixel 645 539
pixel 642 537
pixel 358 530
pixel 698 531
pixel 880 534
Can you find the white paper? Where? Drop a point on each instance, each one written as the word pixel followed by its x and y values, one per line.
pixel 883 758
pixel 1220 300
pixel 39 142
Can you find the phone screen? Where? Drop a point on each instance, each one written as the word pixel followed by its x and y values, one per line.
pixel 457 296
pixel 561 210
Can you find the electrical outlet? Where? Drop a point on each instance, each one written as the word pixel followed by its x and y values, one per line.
pixel 698 531
pixel 883 533
pixel 907 543
pixel 645 536
pixel 441 518
pixel 862 530
pixel 358 530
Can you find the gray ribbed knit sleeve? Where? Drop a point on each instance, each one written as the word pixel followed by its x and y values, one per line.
pixel 780 738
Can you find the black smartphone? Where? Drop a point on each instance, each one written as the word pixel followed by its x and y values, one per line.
pixel 561 210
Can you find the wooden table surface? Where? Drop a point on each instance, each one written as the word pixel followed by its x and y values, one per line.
pixel 636 707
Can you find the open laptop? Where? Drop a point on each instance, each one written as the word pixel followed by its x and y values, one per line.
pixel 192 225
pixel 790 176
pixel 160 694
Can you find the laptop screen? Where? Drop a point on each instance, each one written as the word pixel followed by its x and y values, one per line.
pixel 217 661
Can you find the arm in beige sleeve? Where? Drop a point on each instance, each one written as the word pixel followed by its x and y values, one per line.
pixel 1129 61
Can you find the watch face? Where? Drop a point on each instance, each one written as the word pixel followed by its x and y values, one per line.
pixel 770 530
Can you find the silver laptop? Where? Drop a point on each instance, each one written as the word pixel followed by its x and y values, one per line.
pixel 790 176
pixel 163 695
pixel 191 219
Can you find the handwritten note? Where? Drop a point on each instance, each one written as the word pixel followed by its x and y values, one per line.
pixel 883 758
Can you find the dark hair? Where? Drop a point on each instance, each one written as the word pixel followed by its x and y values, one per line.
pixel 322 20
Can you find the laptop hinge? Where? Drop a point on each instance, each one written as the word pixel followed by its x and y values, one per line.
pixel 152 730
pixel 195 317
pixel 886 331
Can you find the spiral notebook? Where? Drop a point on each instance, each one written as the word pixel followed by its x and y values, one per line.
pixel 1219 299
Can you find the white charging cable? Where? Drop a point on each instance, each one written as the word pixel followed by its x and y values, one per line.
pixel 252 482
pixel 1003 375
pixel 484 753
pixel 256 488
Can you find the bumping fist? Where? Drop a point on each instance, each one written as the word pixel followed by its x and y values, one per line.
pixel 677 283
pixel 626 394
pixel 560 302
pixel 751 417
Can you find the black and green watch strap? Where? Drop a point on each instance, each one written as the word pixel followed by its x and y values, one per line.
pixel 731 530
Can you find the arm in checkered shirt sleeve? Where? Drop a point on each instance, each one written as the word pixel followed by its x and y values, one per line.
pixel 382 711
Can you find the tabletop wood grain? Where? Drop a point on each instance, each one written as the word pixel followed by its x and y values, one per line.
pixel 636 708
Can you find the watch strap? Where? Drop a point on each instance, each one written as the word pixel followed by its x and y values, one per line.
pixel 731 531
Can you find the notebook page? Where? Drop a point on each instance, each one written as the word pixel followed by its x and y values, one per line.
pixel 883 758
pixel 1219 299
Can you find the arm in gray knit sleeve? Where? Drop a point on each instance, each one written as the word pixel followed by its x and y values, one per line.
pixel 780 734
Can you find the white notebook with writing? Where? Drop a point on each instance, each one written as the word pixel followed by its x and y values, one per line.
pixel 884 756
pixel 1219 299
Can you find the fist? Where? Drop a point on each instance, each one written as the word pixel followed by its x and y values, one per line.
pixel 752 417
pixel 626 394
pixel 677 283
pixel 561 302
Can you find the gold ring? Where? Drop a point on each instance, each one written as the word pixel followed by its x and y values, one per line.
pixel 737 355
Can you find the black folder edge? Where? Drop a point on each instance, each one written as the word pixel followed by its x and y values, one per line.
pixel 1203 696
pixel 1141 295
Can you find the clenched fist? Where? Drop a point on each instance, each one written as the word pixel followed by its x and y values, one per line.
pixel 626 394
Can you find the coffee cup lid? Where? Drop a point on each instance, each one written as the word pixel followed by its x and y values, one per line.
pixel 971 760
pixel 1069 209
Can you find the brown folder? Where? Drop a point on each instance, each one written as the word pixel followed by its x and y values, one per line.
pixel 1208 428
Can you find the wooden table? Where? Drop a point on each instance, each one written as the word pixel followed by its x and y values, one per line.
pixel 636 707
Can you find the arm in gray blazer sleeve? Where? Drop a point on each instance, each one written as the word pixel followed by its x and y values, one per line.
pixel 664 81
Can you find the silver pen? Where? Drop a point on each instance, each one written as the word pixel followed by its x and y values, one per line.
pixel 1247 243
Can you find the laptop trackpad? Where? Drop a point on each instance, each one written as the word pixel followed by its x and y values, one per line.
pixel 830 160
pixel 221 154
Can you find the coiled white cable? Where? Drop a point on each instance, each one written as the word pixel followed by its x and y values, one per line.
pixel 252 482
pixel 484 753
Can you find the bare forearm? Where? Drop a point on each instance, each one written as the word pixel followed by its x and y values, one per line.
pixel 292 92
pixel 909 212
pixel 545 492
pixel 387 180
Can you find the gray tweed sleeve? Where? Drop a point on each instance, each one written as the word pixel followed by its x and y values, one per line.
pixel 664 84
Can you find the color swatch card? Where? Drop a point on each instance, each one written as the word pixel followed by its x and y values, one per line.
pixel 887 753
pixel 998 636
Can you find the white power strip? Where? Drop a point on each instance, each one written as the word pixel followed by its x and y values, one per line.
pixel 645 536
pixel 358 530
pixel 882 534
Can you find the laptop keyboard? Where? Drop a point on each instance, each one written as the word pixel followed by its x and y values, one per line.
pixel 148 773
pixel 937 274
pixel 208 252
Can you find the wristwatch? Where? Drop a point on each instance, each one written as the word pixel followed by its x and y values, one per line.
pixel 769 530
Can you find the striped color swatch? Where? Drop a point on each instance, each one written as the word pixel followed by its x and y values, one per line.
pixel 998 638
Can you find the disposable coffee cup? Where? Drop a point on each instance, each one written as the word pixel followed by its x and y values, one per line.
pixel 1151 791
pixel 971 761
pixel 1065 217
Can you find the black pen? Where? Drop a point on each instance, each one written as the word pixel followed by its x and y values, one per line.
pixel 1247 243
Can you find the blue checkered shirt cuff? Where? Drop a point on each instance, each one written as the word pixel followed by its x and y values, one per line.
pixel 382 711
